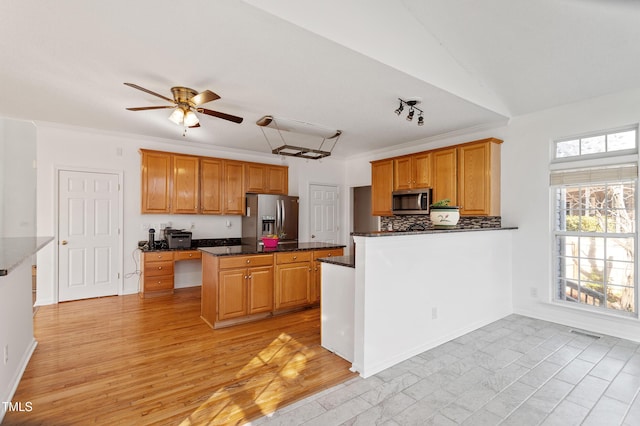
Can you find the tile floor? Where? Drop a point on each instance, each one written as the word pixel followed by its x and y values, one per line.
pixel 515 371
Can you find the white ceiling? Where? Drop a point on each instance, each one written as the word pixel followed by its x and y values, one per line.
pixel 336 63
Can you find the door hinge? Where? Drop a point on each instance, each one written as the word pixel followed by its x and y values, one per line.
pixel 118 187
pixel 118 275
pixel 118 231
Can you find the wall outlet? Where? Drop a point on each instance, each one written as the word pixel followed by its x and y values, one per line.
pixel 533 292
pixel 6 354
pixel 434 313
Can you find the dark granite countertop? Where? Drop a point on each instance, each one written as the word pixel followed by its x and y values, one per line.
pixel 161 245
pixel 246 250
pixel 16 249
pixel 348 261
pixel 429 231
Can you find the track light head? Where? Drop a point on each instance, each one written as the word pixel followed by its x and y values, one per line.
pixel 411 103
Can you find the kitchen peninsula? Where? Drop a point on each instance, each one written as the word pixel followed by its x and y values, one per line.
pixel 415 290
pixel 244 283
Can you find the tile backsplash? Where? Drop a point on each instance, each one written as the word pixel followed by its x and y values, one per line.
pixel 404 222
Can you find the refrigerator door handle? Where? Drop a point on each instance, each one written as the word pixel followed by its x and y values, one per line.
pixel 278 218
pixel 283 217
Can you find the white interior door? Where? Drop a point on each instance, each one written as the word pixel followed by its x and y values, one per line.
pixel 88 235
pixel 324 224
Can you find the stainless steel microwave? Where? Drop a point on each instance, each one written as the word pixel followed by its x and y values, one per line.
pixel 411 201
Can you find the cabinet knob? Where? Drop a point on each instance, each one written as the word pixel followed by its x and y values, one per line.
pixel 159 256
pixel 329 255
pixel 159 267
pixel 246 276
pixel 159 282
pixel 250 276
pixel 248 261
pixel 295 257
pixel 190 254
pixel 309 269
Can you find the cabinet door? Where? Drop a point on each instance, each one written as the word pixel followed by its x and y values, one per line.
pixel 381 187
pixel 445 168
pixel 293 282
pixel 277 180
pixel 255 177
pixel 479 179
pixel 186 177
pixel 156 178
pixel 402 176
pixel 211 170
pixel 233 187
pixel 260 291
pixel 421 170
pixel 232 294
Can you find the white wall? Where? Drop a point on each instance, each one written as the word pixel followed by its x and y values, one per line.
pixel 525 198
pixel 17 178
pixel 64 146
pixel 16 329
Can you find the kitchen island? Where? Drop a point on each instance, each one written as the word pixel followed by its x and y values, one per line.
pixel 415 290
pixel 247 283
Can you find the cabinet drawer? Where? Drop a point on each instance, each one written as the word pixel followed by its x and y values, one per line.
pixel 317 254
pixel 156 269
pixel 155 283
pixel 153 256
pixel 188 255
pixel 243 261
pixel 294 256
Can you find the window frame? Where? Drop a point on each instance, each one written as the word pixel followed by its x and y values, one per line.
pixel 558 256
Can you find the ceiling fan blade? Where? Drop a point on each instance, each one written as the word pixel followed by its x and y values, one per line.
pixel 221 115
pixel 135 86
pixel 151 107
pixel 204 97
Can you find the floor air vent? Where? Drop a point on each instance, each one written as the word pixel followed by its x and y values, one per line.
pixel 584 333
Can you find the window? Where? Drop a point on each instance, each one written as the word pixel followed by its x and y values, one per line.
pixel 595 224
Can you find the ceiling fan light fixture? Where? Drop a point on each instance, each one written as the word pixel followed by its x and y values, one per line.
pixel 190 119
pixel 177 116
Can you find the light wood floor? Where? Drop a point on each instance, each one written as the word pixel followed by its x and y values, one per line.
pixel 125 360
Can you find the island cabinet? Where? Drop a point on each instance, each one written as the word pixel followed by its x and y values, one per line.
pixel 245 286
pixel 381 187
pixel 316 273
pixel 293 279
pixel 236 289
pixel 412 171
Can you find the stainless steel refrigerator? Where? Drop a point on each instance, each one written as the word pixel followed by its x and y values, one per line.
pixel 270 214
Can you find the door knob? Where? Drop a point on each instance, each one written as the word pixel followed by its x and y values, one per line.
pixel 64 242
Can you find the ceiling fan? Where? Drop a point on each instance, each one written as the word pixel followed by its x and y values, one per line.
pixel 185 103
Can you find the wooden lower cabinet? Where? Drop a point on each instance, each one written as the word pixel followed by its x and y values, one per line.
pixel 158 268
pixel 293 280
pixel 245 292
pixel 237 289
pixel 316 273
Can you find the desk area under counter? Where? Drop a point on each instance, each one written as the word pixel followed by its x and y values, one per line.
pixel 243 283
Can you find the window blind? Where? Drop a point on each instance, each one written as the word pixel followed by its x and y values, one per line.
pixel 601 174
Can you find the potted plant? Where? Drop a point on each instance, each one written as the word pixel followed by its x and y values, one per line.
pixel 443 215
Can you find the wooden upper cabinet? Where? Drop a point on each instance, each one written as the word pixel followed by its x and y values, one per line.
pixel 211 185
pixel 381 187
pixel 186 184
pixel 255 178
pixel 156 182
pixel 266 179
pixel 233 201
pixel 278 180
pixel 412 171
pixel 445 179
pixel 479 178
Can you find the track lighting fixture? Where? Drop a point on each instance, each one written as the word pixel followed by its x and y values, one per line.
pixel 411 104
